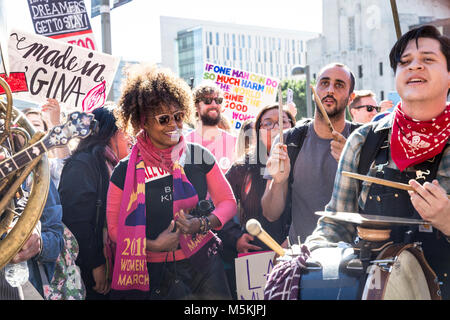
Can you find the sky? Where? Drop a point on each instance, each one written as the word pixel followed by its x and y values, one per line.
pixel 135 26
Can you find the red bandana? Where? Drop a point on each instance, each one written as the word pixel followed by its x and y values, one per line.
pixel 415 141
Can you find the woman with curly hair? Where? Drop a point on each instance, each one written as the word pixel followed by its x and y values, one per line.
pixel 165 251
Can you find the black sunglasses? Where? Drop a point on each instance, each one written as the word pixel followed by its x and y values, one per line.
pixel 369 108
pixel 218 100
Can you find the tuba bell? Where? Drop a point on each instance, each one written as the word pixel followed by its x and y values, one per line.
pixel 17 220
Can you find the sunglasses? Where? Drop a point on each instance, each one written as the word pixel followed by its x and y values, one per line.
pixel 269 124
pixel 369 108
pixel 218 100
pixel 164 119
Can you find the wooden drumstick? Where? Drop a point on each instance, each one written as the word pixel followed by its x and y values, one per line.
pixel 392 184
pixel 280 121
pixel 322 109
pixel 254 228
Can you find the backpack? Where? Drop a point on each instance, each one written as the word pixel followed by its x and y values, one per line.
pixel 66 283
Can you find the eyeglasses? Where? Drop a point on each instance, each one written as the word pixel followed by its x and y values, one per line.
pixel 369 108
pixel 218 100
pixel 269 124
pixel 164 119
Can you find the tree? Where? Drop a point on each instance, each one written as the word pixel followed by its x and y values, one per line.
pixel 299 88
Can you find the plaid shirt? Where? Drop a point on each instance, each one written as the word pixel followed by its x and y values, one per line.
pixel 345 195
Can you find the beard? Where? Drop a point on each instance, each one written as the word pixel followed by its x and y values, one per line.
pixel 209 121
pixel 337 111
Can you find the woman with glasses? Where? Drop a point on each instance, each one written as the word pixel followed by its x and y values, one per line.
pixel 153 192
pixel 246 178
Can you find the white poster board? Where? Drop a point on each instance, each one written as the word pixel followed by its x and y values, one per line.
pixel 78 78
pixel 252 271
pixel 245 93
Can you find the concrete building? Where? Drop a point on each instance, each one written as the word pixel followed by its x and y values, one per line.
pixel 187 44
pixel 361 33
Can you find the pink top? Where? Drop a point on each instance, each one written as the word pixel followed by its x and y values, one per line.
pixel 222 147
pixel 218 187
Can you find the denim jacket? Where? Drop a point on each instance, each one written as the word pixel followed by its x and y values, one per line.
pixel 52 240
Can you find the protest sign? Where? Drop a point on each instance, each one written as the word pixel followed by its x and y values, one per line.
pixel 78 78
pixel 245 93
pixel 252 271
pixel 64 20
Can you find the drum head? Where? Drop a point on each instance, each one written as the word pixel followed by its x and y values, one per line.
pixel 405 281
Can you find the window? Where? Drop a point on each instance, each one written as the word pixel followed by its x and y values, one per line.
pixel 249 41
pixel 381 68
pixel 382 95
pixel 210 38
pixel 217 38
pixel 207 52
pixel 234 40
pixel 360 71
pixel 351 33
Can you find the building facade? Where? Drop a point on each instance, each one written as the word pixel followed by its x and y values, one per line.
pixel 272 52
pixel 361 33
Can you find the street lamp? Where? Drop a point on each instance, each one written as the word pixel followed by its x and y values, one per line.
pixel 299 70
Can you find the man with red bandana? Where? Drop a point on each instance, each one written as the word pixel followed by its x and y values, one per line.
pixel 410 145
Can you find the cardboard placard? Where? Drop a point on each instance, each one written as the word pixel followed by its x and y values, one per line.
pixel 245 93
pixel 252 271
pixel 78 78
pixel 64 20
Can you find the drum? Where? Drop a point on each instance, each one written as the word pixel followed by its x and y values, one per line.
pixel 330 275
pixel 399 272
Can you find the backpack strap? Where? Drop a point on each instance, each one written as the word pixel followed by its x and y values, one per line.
pixel 294 141
pixel 368 152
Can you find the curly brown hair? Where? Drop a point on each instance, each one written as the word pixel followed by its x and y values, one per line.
pixel 206 89
pixel 145 92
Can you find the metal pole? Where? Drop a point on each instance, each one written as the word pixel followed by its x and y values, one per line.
pixel 309 111
pixel 106 36
pixel 396 19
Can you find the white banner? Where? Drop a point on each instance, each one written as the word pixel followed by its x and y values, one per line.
pixel 252 271
pixel 245 93
pixel 78 78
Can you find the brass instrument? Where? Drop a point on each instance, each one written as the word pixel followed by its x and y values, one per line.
pixel 16 132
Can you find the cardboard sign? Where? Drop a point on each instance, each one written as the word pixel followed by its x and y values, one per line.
pixel 78 78
pixel 245 93
pixel 290 96
pixel 252 272
pixel 64 20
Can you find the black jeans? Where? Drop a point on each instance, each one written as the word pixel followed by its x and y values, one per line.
pixel 207 283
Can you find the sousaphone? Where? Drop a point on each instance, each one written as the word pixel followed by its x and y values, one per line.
pixel 25 155
pixel 13 124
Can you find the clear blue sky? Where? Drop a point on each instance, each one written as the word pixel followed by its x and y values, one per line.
pixel 135 25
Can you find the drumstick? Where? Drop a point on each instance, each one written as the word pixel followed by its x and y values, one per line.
pixel 322 109
pixel 280 121
pixel 397 185
pixel 254 228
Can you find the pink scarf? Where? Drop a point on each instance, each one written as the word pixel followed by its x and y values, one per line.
pixel 130 267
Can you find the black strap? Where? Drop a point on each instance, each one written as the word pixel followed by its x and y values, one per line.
pixel 368 151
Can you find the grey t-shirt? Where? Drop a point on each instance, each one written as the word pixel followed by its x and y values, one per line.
pixel 314 173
